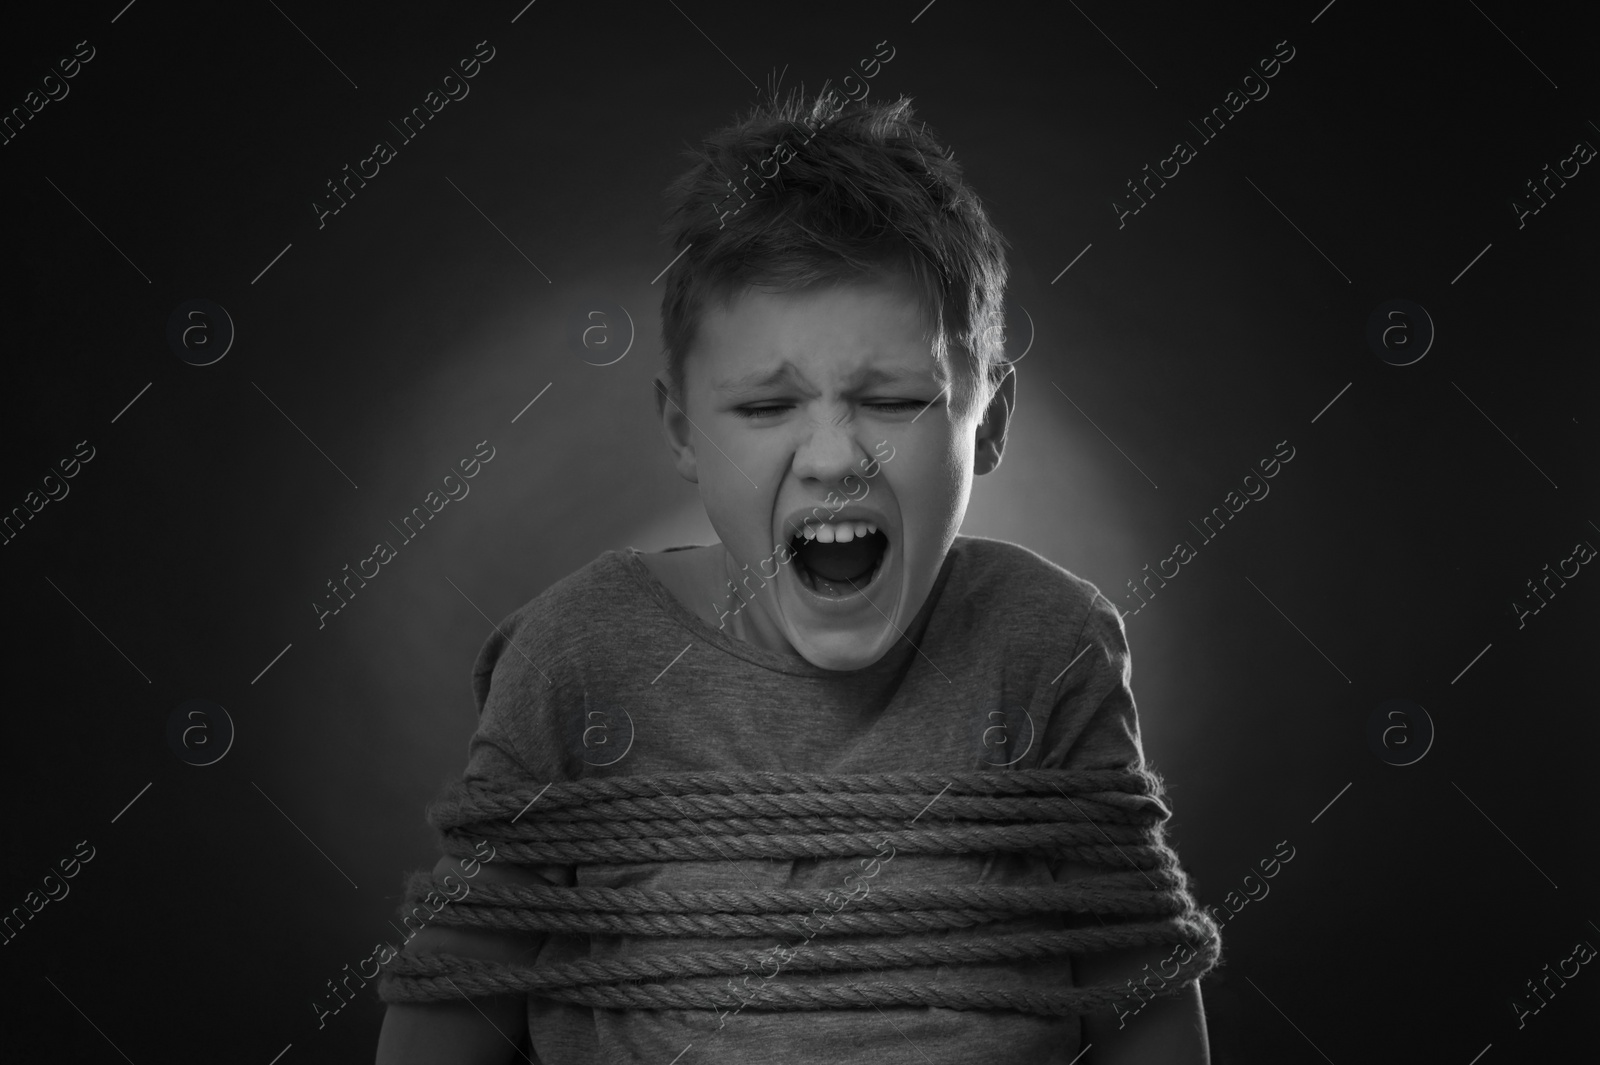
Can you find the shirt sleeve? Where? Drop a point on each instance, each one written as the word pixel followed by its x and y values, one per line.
pixel 520 703
pixel 519 720
pixel 1094 723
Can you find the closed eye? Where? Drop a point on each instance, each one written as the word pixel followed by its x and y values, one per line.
pixel 761 412
pixel 892 406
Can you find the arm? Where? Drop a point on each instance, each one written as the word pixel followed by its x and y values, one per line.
pixel 1170 1030
pixel 512 702
pixel 485 1031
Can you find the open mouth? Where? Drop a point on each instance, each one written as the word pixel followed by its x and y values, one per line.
pixel 839 559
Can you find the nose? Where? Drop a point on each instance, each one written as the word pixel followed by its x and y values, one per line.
pixel 827 453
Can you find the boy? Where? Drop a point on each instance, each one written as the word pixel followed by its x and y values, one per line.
pixel 834 380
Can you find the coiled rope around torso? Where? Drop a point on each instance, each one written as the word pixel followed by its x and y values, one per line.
pixel 1107 818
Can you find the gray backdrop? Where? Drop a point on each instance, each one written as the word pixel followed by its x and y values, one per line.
pixel 1169 354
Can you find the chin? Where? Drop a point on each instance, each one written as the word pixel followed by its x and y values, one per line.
pixel 842 651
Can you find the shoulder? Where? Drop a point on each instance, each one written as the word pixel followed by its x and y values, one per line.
pixel 1052 635
pixel 531 673
pixel 554 633
pixel 1002 580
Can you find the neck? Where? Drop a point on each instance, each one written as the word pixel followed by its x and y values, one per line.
pixel 750 622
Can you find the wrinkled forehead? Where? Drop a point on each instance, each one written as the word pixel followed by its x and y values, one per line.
pixel 836 333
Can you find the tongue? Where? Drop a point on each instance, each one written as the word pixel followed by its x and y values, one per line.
pixel 841 562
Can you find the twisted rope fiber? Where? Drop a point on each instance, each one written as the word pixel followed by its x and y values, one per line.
pixel 1098 893
pixel 573 978
pixel 630 911
pixel 720 924
pixel 1116 813
pixel 1044 840
pixel 488 799
pixel 780 996
pixel 431 978
pixel 982 807
pixel 1108 818
pixel 780 826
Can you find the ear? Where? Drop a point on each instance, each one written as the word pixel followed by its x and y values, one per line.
pixel 990 436
pixel 676 430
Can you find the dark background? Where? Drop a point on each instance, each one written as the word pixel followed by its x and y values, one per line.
pixel 407 330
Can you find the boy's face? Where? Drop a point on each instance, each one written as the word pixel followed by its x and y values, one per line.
pixel 826 408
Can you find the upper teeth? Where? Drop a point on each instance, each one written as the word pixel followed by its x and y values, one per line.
pixel 841 531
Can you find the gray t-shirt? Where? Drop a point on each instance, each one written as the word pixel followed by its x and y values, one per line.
pixel 572 687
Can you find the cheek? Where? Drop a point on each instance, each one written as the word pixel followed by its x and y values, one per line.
pixel 951 475
pixel 930 489
pixel 741 512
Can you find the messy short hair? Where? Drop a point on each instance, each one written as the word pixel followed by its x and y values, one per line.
pixel 859 195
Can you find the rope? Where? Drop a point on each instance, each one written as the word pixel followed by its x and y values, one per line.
pixel 1108 818
pixel 630 911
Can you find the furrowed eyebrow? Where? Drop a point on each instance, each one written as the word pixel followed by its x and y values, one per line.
pixel 756 380
pixel 864 379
